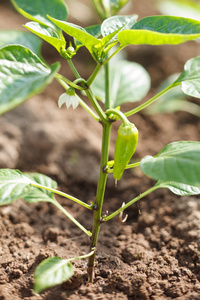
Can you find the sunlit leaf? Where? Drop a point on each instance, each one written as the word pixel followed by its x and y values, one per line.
pixel 52 271
pixel 39 194
pixel 159 30
pixel 13 185
pixel 184 8
pixel 180 189
pixel 22 75
pixel 48 34
pixel 178 161
pixel 129 81
pixel 77 32
pixel 17 37
pixel 94 30
pixel 38 10
pixel 114 23
pixel 190 78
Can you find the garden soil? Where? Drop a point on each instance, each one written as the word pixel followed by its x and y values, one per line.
pixel 155 254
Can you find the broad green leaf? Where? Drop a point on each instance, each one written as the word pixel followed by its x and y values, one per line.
pixel 179 188
pixel 112 24
pixel 130 82
pixel 94 30
pixel 190 78
pixel 38 194
pixel 184 8
pixel 38 10
pixel 52 271
pixel 17 37
pixel 13 185
pixel 178 161
pixel 22 75
pixel 48 34
pixel 95 46
pixel 160 30
pixel 77 32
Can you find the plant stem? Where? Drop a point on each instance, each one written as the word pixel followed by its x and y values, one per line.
pixel 62 194
pixel 96 106
pixel 70 217
pixel 81 257
pixel 107 86
pixel 68 82
pixel 119 114
pixel 150 101
pixel 99 197
pixel 74 70
pixel 98 8
pixel 113 54
pixel 130 203
pixel 94 74
pixel 133 165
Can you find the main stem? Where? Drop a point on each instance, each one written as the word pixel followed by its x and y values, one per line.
pixel 97 218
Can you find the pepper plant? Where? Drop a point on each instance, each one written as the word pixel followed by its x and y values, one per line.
pixel 25 73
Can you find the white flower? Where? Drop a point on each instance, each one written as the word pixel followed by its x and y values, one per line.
pixel 68 100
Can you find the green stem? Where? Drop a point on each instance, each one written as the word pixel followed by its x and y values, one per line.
pixel 74 70
pixel 119 114
pixel 113 54
pixel 98 9
pixel 62 194
pixel 150 101
pixel 94 74
pixel 71 218
pixel 88 109
pixel 96 106
pixel 68 82
pixel 99 197
pixel 130 203
pixel 133 165
pixel 82 256
pixel 107 86
pixel 111 164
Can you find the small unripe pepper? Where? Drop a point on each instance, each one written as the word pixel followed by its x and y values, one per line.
pixel 125 146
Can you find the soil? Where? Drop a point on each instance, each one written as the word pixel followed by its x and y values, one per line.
pixel 155 254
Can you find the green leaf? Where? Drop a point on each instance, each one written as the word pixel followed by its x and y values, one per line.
pixel 94 30
pixel 178 161
pixel 38 194
pixel 160 30
pixel 130 82
pixel 38 10
pixel 16 37
pixel 190 78
pixel 13 185
pixel 114 23
pixel 179 188
pixel 48 34
pixel 77 32
pixel 52 271
pixel 184 8
pixel 22 75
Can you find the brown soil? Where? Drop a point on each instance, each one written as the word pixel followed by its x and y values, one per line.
pixel 155 254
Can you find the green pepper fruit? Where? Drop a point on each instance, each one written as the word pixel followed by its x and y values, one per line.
pixel 125 145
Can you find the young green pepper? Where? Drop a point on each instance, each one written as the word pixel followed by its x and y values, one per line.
pixel 125 145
